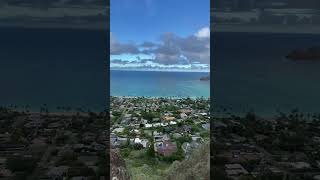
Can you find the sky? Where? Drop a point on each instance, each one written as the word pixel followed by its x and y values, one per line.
pixel 161 35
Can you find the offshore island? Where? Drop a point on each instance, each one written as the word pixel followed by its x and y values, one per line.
pixel 310 54
pixel 205 78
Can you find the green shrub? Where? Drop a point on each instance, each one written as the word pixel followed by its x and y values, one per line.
pixel 125 152
pixel 150 153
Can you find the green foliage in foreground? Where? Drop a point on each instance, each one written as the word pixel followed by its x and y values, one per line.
pixel 150 151
pixel 177 156
pixel 197 167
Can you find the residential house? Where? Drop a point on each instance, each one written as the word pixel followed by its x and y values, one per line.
pixel 183 115
pixel 166 148
pixel 118 130
pixel 196 138
pixel 143 142
pixel 168 118
pixel 184 129
pixel 172 123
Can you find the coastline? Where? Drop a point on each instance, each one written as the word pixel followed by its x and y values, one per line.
pixel 160 97
pixel 155 70
pixel 158 84
pixel 55 112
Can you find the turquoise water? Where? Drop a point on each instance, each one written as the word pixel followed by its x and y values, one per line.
pixel 158 84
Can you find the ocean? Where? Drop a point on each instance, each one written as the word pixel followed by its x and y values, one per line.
pixel 159 84
pixel 252 73
pixel 56 67
pixel 61 67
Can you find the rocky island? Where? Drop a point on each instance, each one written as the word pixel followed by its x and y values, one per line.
pixel 312 54
pixel 205 78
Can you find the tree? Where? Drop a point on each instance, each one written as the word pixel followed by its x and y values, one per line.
pixel 150 152
pixel 137 146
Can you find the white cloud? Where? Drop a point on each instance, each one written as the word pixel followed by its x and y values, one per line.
pixel 151 65
pixel 203 33
pixel 172 52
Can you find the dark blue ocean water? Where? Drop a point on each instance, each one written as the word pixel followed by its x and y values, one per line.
pixel 252 73
pixel 62 67
pixel 159 84
pixel 57 67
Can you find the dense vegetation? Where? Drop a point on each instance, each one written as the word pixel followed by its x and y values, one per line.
pixel 197 167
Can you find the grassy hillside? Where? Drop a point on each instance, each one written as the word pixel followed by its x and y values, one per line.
pixel 197 167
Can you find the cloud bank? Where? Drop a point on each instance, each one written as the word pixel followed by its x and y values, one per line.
pixel 172 52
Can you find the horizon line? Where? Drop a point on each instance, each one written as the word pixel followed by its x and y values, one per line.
pixel 155 70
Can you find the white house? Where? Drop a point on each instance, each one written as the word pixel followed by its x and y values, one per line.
pixel 118 130
pixel 143 142
pixel 183 115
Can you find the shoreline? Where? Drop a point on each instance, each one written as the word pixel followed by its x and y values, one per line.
pixel 154 70
pixel 52 113
pixel 159 97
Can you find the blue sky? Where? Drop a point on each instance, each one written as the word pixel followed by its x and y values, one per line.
pixel 141 20
pixel 176 30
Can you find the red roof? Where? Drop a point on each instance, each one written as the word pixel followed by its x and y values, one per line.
pixel 167 149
